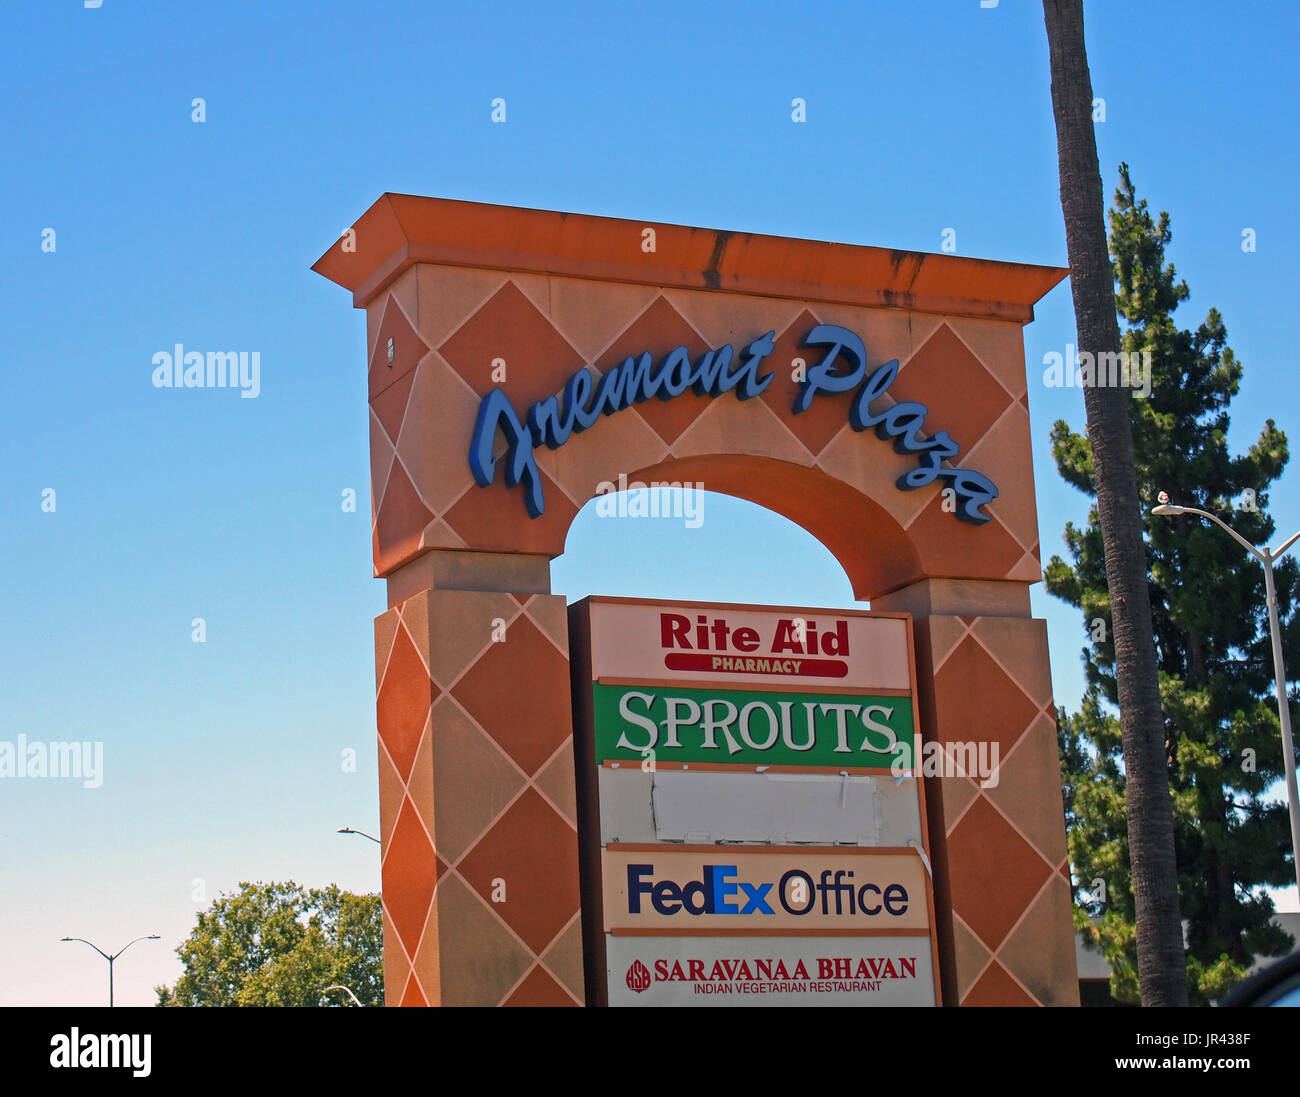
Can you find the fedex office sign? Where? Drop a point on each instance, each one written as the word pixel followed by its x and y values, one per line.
pixel 649 887
pixel 722 891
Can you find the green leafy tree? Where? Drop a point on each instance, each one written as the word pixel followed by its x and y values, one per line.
pixel 1221 727
pixel 282 945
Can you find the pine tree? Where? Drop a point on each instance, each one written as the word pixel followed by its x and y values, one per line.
pixel 1211 634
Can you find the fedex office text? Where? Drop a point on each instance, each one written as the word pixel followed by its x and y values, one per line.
pixel 721 892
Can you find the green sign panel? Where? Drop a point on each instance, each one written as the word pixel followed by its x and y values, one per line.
pixel 742 727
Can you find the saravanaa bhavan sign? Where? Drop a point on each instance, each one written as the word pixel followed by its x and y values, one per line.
pixel 631 802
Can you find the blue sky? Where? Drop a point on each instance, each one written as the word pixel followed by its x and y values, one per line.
pixel 222 759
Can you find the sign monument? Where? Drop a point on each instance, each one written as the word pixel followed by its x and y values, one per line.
pixel 625 802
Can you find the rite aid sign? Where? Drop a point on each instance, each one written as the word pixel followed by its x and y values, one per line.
pixel 745 645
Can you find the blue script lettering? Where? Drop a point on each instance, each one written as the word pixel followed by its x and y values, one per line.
pixel 822 378
pixel 903 422
pixel 582 401
pixel 580 404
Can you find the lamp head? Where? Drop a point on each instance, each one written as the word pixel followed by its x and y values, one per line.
pixel 1166 509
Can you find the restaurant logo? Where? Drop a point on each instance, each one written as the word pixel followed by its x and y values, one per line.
pixel 744 970
pixel 638 977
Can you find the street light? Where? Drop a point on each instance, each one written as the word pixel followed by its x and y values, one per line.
pixel 349 830
pixel 355 1000
pixel 1265 556
pixel 110 959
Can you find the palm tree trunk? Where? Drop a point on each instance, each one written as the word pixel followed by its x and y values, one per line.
pixel 1162 972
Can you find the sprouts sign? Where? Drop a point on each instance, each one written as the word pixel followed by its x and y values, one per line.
pixel 693 724
pixel 700 725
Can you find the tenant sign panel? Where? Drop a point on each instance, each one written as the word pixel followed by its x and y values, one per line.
pixel 813 890
pixel 748 772
pixel 780 807
pixel 689 642
pixel 770 971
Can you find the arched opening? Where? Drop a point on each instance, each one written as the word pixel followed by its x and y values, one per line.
pixel 712 547
pixel 776 520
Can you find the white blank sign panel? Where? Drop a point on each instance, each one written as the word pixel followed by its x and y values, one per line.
pixel 701 806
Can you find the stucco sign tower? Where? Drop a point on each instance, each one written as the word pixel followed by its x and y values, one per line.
pixel 517 359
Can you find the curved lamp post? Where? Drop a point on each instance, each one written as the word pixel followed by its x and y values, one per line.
pixel 110 959
pixel 349 830
pixel 1265 556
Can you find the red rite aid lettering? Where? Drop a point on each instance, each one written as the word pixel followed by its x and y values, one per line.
pixel 790 637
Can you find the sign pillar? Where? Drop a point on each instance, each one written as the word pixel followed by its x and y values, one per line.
pixel 1000 866
pixel 478 816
